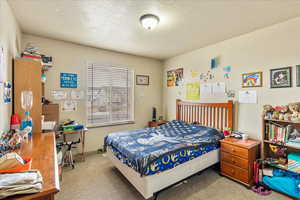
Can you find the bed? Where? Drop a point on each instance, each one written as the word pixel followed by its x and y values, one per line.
pixel 154 158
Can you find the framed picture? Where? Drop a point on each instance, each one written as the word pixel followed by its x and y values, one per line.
pixel 281 77
pixel 175 77
pixel 253 79
pixel 142 79
pixel 298 75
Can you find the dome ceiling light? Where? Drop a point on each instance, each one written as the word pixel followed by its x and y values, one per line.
pixel 149 21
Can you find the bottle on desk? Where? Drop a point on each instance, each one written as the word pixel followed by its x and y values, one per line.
pixel 27 121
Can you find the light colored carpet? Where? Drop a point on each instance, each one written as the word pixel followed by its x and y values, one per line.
pixel 98 179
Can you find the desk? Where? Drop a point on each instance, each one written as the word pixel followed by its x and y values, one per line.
pixel 42 149
pixel 82 133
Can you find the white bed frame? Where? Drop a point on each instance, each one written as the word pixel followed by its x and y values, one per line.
pixel 148 185
pixel 217 115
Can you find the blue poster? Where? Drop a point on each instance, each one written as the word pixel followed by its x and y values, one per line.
pixel 7 92
pixel 68 80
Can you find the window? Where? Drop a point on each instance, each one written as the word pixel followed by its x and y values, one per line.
pixel 110 95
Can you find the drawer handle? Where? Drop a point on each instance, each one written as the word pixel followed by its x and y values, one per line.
pixel 233 150
pixel 232 160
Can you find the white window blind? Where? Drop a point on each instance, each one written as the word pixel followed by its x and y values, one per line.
pixel 110 95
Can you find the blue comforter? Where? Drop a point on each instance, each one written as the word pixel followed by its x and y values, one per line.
pixel 152 150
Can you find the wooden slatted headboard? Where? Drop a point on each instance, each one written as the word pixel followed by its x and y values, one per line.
pixel 215 115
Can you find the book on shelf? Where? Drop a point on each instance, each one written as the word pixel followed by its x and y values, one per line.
pixel 276 133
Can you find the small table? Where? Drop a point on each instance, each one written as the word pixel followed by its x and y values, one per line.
pixel 157 123
pixel 82 133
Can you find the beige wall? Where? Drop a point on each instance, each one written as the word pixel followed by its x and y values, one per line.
pixel 69 57
pixel 10 37
pixel 272 47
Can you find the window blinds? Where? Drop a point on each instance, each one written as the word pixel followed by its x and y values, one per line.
pixel 110 95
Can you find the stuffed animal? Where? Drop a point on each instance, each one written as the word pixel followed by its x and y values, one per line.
pixel 287 116
pixel 275 114
pixel 285 109
pixel 268 111
pixel 282 111
pixel 294 108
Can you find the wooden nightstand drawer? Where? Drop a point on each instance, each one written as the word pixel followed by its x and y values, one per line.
pixel 235 172
pixel 237 158
pixel 234 160
pixel 238 151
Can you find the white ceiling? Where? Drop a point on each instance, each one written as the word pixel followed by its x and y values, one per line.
pixel 184 24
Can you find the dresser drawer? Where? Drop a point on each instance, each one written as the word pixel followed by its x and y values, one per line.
pixel 234 160
pixel 235 150
pixel 235 172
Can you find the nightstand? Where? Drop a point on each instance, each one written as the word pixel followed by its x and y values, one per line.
pixel 237 158
pixel 157 123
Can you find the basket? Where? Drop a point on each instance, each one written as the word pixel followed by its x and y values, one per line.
pixel 20 167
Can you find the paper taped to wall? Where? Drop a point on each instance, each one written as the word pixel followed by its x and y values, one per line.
pixel 77 94
pixel 247 96
pixel 193 90
pixel 59 94
pixel 206 90
pixel 218 90
pixel 69 106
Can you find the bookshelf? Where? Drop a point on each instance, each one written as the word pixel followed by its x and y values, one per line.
pixel 266 152
pixel 291 147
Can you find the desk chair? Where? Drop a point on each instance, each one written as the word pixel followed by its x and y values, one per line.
pixel 68 143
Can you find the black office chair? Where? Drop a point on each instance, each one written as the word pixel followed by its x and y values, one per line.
pixel 66 146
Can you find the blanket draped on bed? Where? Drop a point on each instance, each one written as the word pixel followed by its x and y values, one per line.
pixel 153 150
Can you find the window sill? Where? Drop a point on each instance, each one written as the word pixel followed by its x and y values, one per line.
pixel 110 124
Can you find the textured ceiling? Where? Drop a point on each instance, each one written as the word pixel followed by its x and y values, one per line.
pixel 184 24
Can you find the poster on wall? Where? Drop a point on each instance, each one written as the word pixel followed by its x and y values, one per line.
pixel 193 91
pixel 7 93
pixel 281 77
pixel 175 77
pixel 298 75
pixel 253 79
pixel 68 80
pixel 1 64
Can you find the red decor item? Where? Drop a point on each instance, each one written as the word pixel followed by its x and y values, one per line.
pixel 20 167
pixel 226 133
pixel 15 122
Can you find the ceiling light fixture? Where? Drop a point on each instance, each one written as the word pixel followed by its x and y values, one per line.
pixel 149 21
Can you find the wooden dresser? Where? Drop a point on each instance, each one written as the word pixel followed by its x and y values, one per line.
pixel 237 158
pixel 42 149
